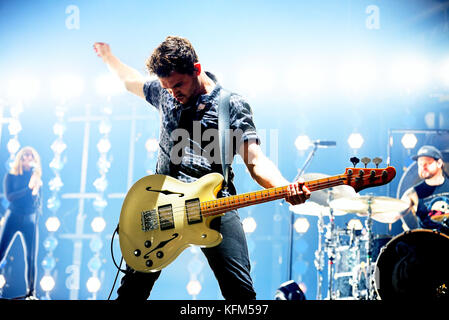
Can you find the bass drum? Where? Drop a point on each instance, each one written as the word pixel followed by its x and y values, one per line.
pixel 414 265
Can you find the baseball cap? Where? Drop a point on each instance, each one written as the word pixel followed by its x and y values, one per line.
pixel 428 151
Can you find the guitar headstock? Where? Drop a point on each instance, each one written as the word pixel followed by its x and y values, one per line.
pixel 362 178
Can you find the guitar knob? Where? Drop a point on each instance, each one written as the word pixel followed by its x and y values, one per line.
pixel 160 254
pixel 137 252
pixel 354 161
pixel 365 161
pixel 149 263
pixel 377 161
pixel 147 244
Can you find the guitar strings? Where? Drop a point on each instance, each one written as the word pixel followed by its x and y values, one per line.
pixel 167 219
pixel 224 207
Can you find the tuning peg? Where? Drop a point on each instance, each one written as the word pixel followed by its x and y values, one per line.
pixel 377 161
pixel 365 161
pixel 354 161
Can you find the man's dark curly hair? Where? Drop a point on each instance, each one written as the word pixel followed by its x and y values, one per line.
pixel 174 54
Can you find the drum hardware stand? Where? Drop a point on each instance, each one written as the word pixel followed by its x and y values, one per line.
pixel 330 246
pixel 319 256
pixel 369 249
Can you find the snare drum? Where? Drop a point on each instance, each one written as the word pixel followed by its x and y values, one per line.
pixel 414 265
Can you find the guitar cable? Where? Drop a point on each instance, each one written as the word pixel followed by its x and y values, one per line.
pixel 116 231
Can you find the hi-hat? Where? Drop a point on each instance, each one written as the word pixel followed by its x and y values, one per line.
pixel 383 209
pixel 322 197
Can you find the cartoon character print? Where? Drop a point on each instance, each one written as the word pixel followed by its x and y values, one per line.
pixel 439 206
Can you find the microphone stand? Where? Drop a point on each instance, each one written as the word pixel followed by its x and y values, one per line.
pixel 292 214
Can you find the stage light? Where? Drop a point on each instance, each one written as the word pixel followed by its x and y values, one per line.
pixel 101 184
pixel 93 284
pixel 254 79
pixel 444 72
pixel 409 141
pixel 67 87
pixel 302 143
pixel 193 287
pixel 410 73
pixel 13 146
pixel 2 281
pixel 304 79
pixel 109 85
pixel 58 146
pixel 103 145
pixel 47 283
pixel 98 224
pixel 356 77
pixel 23 88
pixel 59 129
pixel 355 140
pixel 249 225
pixel 152 145
pixel 301 225
pixel 14 127
pixel 52 224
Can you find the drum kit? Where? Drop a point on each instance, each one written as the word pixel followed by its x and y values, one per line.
pixel 363 265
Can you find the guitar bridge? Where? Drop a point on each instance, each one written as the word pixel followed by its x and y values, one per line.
pixel 149 220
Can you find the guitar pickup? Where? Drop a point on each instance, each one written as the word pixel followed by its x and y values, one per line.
pixel 193 211
pixel 149 220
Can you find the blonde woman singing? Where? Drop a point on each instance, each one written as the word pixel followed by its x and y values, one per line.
pixel 22 187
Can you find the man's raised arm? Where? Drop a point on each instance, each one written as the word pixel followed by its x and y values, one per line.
pixel 131 78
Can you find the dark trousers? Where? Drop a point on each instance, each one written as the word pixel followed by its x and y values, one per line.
pixel 24 224
pixel 229 261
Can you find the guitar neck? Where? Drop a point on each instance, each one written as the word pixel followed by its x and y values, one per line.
pixel 222 205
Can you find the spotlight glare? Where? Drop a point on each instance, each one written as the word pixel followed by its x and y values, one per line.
pixel 152 145
pixel 356 76
pixel 410 73
pixel 409 141
pixel 355 140
pixel 194 287
pixel 302 143
pixel 93 284
pixel 47 283
pixel 2 281
pixel 67 87
pixel 444 72
pixel 301 225
pixel 23 87
pixel 52 224
pixel 109 85
pixel 249 225
pixel 98 224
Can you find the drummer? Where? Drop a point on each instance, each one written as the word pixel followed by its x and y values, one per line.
pixel 429 199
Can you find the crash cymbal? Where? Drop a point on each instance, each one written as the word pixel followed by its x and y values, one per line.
pixel 310 208
pixel 383 209
pixel 322 197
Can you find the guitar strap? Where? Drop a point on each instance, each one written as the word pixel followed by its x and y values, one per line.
pixel 223 132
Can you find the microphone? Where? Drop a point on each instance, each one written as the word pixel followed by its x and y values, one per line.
pixel 324 143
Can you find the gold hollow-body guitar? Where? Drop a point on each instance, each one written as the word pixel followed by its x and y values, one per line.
pixel 161 216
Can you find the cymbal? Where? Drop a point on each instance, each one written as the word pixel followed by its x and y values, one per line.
pixel 383 209
pixel 310 208
pixel 322 196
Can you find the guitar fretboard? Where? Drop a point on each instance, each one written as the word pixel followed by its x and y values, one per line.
pixel 222 205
